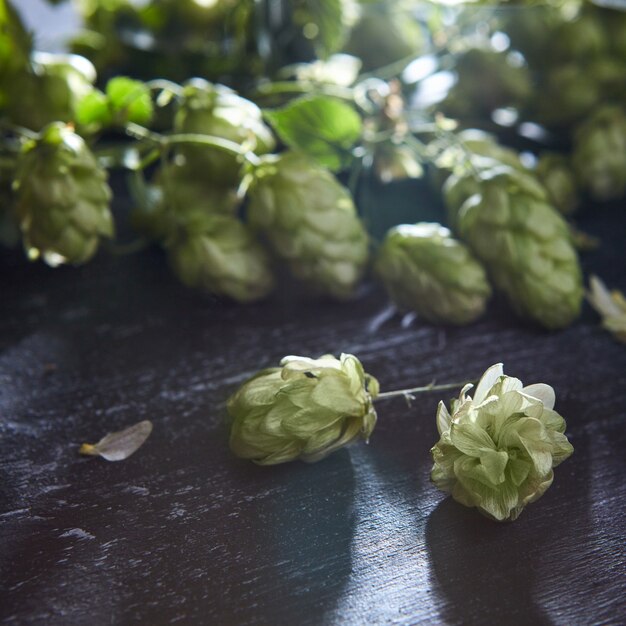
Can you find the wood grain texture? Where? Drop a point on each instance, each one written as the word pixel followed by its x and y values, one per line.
pixel 182 532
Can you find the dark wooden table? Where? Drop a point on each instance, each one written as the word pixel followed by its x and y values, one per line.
pixel 184 532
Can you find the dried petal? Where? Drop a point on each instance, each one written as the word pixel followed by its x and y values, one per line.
pixel 610 305
pixel 119 445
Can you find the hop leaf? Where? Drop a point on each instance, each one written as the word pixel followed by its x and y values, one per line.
pixel 305 409
pixel 125 100
pixel 498 449
pixel 322 127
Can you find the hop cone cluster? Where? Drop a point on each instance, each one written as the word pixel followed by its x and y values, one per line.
pixel 425 269
pixel 498 449
pixel 62 197
pixel 524 242
pixel 215 110
pixel 310 221
pixel 207 246
pixel 600 153
pixel 305 409
pixel 220 255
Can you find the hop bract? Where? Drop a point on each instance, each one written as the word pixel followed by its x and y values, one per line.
pixel 497 450
pixel 310 221
pixel 523 241
pixel 305 409
pixel 425 269
pixel 62 197
pixel 217 111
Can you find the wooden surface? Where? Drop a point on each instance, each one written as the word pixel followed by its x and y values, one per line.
pixel 182 532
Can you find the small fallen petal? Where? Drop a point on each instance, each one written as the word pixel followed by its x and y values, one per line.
pixel 119 445
pixel 610 305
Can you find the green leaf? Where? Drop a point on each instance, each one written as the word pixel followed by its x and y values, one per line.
pixel 321 126
pixel 93 109
pixel 129 100
pixel 326 23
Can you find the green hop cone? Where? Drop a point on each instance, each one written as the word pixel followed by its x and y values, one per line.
pixel 51 91
pixel 568 94
pixel 177 190
pixel 579 39
pixel 217 111
pixel 425 270
pixel 600 153
pixel 62 197
pixel 471 149
pixel 310 221
pixel 305 409
pixel 523 241
pixel 498 449
pixel 556 175
pixel 220 255
pixel 486 80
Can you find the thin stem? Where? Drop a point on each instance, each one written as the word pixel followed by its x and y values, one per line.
pixel 166 141
pixel 388 71
pixel 408 392
pixel 165 85
pixel 303 87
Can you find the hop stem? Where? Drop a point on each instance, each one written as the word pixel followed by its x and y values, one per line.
pixel 165 141
pixel 407 393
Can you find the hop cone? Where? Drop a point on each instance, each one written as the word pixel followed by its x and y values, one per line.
pixel 215 110
pixel 600 153
pixel 497 450
pixel 305 409
pixel 524 242
pixel 579 39
pixel 62 197
pixel 220 255
pixel 568 94
pixel 556 175
pixel 425 270
pixel 51 91
pixel 470 149
pixel 177 190
pixel 487 80
pixel 311 223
